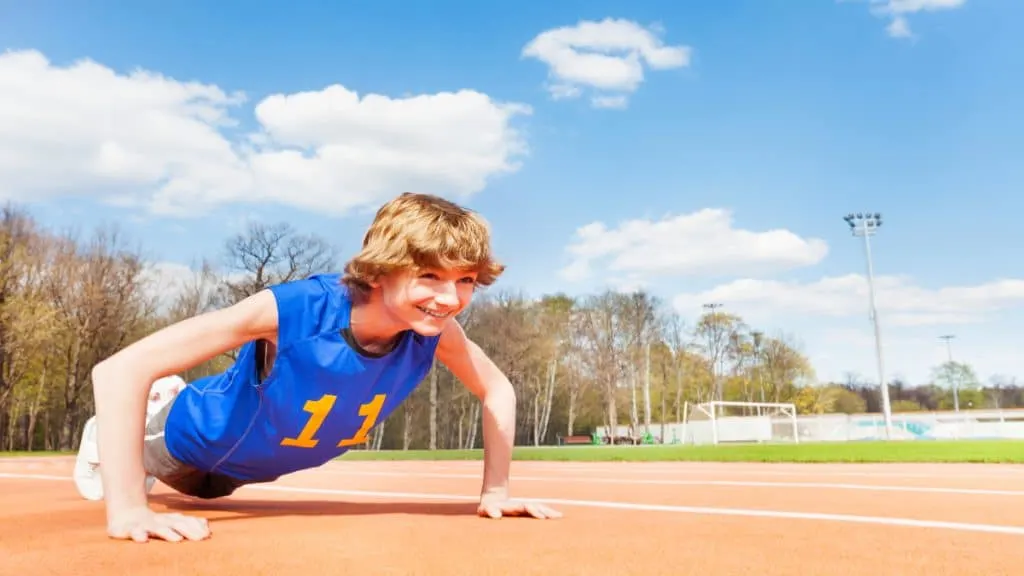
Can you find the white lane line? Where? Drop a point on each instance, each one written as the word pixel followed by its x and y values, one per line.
pixel 631 506
pixel 32 476
pixel 701 510
pixel 724 483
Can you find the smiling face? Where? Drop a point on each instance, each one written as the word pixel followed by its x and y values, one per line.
pixel 421 260
pixel 424 301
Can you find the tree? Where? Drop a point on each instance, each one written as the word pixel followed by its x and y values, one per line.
pixel 639 312
pixel 960 385
pixel 602 348
pixel 577 362
pixel 717 332
pixel 268 254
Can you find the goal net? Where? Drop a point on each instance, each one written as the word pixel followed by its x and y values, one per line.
pixel 719 422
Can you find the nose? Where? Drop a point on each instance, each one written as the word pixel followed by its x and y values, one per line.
pixel 447 295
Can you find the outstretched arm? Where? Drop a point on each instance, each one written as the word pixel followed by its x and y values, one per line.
pixel 485 380
pixel 121 386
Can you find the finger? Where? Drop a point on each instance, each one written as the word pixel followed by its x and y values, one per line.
pixel 164 532
pixel 536 510
pixel 552 513
pixel 527 509
pixel 204 527
pixel 139 534
pixel 547 512
pixel 192 528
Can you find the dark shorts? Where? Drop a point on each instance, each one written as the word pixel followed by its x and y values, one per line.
pixel 176 474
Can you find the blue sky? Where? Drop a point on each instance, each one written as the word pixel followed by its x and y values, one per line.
pixel 786 115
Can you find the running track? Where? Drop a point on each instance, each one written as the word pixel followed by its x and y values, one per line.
pixel 620 518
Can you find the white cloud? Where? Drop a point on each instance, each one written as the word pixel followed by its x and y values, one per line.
pixel 911 357
pixel 142 139
pixel 165 281
pixel 913 6
pixel 899 28
pixel 830 322
pixel 702 243
pixel 897 11
pixel 898 299
pixel 607 57
pixel 609 101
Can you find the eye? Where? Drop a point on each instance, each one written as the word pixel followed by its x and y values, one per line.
pixel 429 276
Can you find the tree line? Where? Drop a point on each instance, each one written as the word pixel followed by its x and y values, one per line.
pixel 577 362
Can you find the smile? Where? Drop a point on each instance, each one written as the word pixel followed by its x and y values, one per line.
pixel 433 313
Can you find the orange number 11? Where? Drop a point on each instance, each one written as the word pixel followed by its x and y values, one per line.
pixel 318 410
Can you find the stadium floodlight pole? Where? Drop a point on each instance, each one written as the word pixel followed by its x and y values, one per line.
pixel 952 374
pixel 866 225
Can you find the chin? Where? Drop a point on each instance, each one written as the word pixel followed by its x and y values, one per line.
pixel 427 328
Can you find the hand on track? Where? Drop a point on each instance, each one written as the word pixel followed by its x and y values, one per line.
pixel 499 506
pixel 141 524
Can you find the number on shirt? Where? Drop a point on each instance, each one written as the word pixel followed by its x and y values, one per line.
pixel 369 411
pixel 318 411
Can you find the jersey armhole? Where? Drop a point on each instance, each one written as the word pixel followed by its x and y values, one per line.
pixel 300 305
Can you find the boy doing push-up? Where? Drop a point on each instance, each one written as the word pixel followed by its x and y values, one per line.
pixel 322 360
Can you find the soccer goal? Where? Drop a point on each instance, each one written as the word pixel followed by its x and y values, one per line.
pixel 718 422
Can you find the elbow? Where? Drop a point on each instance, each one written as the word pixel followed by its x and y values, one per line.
pixel 118 381
pixel 103 375
pixel 99 372
pixel 501 395
pixel 108 372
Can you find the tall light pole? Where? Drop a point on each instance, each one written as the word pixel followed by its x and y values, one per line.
pixel 866 225
pixel 952 374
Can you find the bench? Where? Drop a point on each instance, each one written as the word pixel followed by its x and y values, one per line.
pixel 577 439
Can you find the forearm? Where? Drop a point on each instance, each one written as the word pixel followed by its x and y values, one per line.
pixel 121 420
pixel 499 430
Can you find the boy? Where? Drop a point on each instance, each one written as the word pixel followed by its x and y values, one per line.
pixel 322 360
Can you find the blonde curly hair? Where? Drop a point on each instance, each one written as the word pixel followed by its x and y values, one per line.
pixel 422 231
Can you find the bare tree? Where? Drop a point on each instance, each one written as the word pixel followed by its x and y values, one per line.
pixel 268 254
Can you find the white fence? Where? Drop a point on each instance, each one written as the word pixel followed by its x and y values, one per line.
pixel 963 425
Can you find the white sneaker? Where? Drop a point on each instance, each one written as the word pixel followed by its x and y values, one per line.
pixel 87 466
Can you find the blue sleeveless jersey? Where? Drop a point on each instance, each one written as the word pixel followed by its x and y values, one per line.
pixel 320 398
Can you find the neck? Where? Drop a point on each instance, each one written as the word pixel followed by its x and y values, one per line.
pixel 371 324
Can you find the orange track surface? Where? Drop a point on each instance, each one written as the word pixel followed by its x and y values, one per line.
pixel 418 518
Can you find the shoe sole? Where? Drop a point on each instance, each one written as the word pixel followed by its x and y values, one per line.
pixel 87 480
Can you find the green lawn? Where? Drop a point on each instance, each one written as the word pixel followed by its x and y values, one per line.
pixel 1002 451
